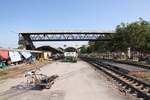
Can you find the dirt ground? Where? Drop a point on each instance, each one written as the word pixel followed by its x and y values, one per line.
pixel 14 71
pixel 77 81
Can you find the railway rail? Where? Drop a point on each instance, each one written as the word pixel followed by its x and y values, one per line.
pixel 130 63
pixel 129 84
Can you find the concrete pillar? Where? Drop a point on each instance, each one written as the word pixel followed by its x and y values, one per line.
pixel 129 52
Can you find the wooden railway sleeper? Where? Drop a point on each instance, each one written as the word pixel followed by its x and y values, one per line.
pixel 139 93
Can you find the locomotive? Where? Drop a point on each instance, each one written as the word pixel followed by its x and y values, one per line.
pixel 70 54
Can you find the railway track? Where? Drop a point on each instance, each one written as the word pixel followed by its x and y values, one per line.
pixel 129 63
pixel 129 84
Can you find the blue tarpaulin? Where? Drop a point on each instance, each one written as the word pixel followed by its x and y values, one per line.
pixel 14 56
pixel 26 54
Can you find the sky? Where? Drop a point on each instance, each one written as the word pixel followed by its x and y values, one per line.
pixel 46 15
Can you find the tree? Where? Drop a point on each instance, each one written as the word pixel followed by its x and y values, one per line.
pixel 21 47
pixel 135 35
pixel 83 49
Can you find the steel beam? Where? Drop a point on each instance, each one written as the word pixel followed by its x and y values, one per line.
pixel 68 36
pixel 28 38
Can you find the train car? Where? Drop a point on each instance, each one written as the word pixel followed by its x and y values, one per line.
pixel 70 55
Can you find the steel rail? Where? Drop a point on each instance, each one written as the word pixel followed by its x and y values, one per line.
pixel 130 63
pixel 130 84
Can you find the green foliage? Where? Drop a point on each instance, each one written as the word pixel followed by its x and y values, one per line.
pixel 20 47
pixel 135 35
pixel 83 49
